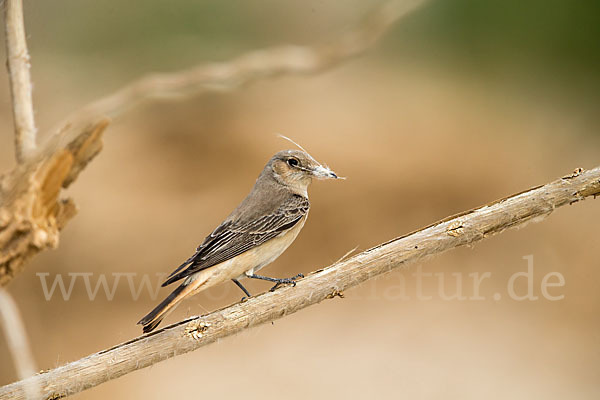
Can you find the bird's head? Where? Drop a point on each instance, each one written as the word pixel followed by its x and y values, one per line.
pixel 296 169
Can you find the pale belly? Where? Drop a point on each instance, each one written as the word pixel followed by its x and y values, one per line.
pixel 248 262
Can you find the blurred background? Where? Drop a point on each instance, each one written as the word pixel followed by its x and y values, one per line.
pixel 461 103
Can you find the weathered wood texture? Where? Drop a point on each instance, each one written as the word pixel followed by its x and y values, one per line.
pixel 31 210
pixel 465 228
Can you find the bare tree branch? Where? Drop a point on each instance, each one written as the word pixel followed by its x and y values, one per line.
pixel 20 80
pixel 459 230
pixel 31 211
pixel 16 339
pixel 249 67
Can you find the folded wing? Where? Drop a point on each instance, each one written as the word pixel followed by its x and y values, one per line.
pixel 233 238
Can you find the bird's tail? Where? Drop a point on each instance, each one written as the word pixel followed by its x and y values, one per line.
pixel 154 317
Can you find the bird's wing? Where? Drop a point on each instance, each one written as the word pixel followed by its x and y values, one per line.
pixel 233 238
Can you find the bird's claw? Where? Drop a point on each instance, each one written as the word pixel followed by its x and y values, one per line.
pixel 284 281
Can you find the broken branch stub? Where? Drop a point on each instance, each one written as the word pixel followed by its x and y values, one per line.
pixel 31 210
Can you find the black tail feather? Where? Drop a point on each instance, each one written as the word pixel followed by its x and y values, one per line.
pixel 151 326
pixel 150 321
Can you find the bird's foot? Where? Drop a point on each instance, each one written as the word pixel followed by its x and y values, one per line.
pixel 284 281
pixel 247 296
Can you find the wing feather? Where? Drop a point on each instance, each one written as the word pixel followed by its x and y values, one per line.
pixel 233 238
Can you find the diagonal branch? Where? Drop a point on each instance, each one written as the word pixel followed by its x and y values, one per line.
pixel 20 80
pixel 245 69
pixel 188 335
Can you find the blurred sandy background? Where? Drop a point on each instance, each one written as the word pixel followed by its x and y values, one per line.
pixel 461 103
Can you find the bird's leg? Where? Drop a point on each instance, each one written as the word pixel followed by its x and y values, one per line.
pixel 278 281
pixel 243 288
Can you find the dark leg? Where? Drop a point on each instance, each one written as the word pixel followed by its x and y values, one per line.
pixel 243 288
pixel 278 281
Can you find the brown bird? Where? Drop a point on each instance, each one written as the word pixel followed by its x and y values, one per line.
pixel 264 224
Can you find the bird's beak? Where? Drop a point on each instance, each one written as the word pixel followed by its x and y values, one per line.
pixel 321 172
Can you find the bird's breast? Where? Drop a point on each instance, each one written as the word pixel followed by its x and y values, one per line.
pixel 270 250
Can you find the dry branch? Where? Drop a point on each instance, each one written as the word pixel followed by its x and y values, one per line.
pixel 31 212
pixel 18 345
pixel 249 67
pixel 20 80
pixel 465 228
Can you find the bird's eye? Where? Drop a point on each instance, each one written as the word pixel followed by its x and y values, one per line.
pixel 292 162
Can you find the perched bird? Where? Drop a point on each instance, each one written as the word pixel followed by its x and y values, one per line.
pixel 264 224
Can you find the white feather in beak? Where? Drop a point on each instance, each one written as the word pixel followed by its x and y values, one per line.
pixel 322 172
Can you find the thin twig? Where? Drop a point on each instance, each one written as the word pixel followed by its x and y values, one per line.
pixel 20 80
pixel 16 339
pixel 465 228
